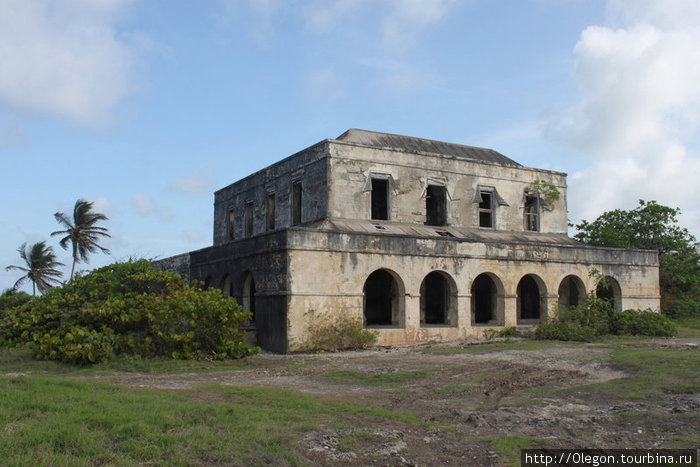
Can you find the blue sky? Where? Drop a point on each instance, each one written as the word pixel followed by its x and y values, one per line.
pixel 147 106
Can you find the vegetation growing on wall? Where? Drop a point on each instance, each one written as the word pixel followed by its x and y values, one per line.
pixel 341 332
pixel 128 308
pixel 547 191
pixel 652 226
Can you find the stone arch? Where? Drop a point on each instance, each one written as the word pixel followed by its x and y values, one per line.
pixel 383 299
pixel 227 286
pixel 248 294
pixel 438 299
pixel 487 299
pixel 608 288
pixel 532 299
pixel 571 292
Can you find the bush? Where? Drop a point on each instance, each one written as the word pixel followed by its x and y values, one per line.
pixel 342 332
pixel 129 308
pixel 596 317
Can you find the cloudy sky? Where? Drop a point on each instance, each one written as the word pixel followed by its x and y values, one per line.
pixel 147 106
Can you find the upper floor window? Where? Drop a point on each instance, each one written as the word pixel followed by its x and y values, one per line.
pixel 296 203
pixel 532 213
pixel 380 199
pixel 248 218
pixel 436 205
pixel 486 210
pixel 270 211
pixel 229 225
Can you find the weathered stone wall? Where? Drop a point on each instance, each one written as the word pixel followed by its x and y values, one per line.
pixel 351 165
pixel 310 167
pixel 179 264
pixel 264 258
pixel 328 271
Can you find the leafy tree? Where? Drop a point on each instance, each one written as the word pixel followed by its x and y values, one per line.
pixel 40 267
pixel 653 226
pixel 81 232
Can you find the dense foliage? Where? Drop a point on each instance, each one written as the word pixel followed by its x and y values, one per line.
pixel 128 308
pixel 654 227
pixel 597 317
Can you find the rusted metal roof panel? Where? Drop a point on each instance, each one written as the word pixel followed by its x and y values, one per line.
pixel 424 146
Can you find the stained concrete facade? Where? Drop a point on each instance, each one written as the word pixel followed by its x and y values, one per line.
pixel 421 240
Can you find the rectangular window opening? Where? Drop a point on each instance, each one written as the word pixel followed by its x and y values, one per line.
pixel 436 205
pixel 532 213
pixel 296 203
pixel 380 199
pixel 229 225
pixel 486 210
pixel 248 219
pixel 270 211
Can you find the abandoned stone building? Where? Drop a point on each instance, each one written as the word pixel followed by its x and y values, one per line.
pixel 421 240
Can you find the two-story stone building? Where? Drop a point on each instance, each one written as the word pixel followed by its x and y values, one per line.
pixel 422 240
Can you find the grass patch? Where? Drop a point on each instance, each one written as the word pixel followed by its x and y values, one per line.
pixel 510 446
pixel 689 327
pixel 377 379
pixel 60 422
pixel 496 346
pixel 653 373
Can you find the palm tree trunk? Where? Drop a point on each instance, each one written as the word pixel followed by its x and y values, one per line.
pixel 72 269
pixel 33 289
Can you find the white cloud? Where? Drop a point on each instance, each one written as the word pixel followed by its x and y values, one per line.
pixel 406 17
pixel 64 58
pixel 324 15
pixel 639 109
pixel 104 206
pixel 196 183
pixel 146 206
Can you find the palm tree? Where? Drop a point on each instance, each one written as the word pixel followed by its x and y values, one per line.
pixel 40 267
pixel 81 232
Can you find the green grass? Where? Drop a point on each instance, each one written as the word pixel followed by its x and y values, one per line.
pixel 378 379
pixel 510 446
pixel 53 421
pixel 689 327
pixel 653 373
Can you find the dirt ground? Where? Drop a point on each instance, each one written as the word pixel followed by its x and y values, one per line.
pixel 463 398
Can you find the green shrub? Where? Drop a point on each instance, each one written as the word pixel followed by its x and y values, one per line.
pixel 596 317
pixel 341 332
pixel 642 323
pixel 129 308
pixel 506 332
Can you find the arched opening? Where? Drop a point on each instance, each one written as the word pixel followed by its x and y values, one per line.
pixel 486 301
pixel 207 282
pixel 227 286
pixel 383 299
pixel 609 289
pixel 438 299
pixel 571 293
pixel 248 295
pixel 530 299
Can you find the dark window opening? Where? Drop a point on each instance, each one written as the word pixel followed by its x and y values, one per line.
pixel 229 225
pixel 227 286
pixel 484 299
pixel 532 213
pixel 380 199
pixel 296 203
pixel 571 291
pixel 248 296
pixel 434 299
pixel 270 211
pixel 486 210
pixel 529 300
pixel 436 205
pixel 381 299
pixel 207 282
pixel 609 289
pixel 248 219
